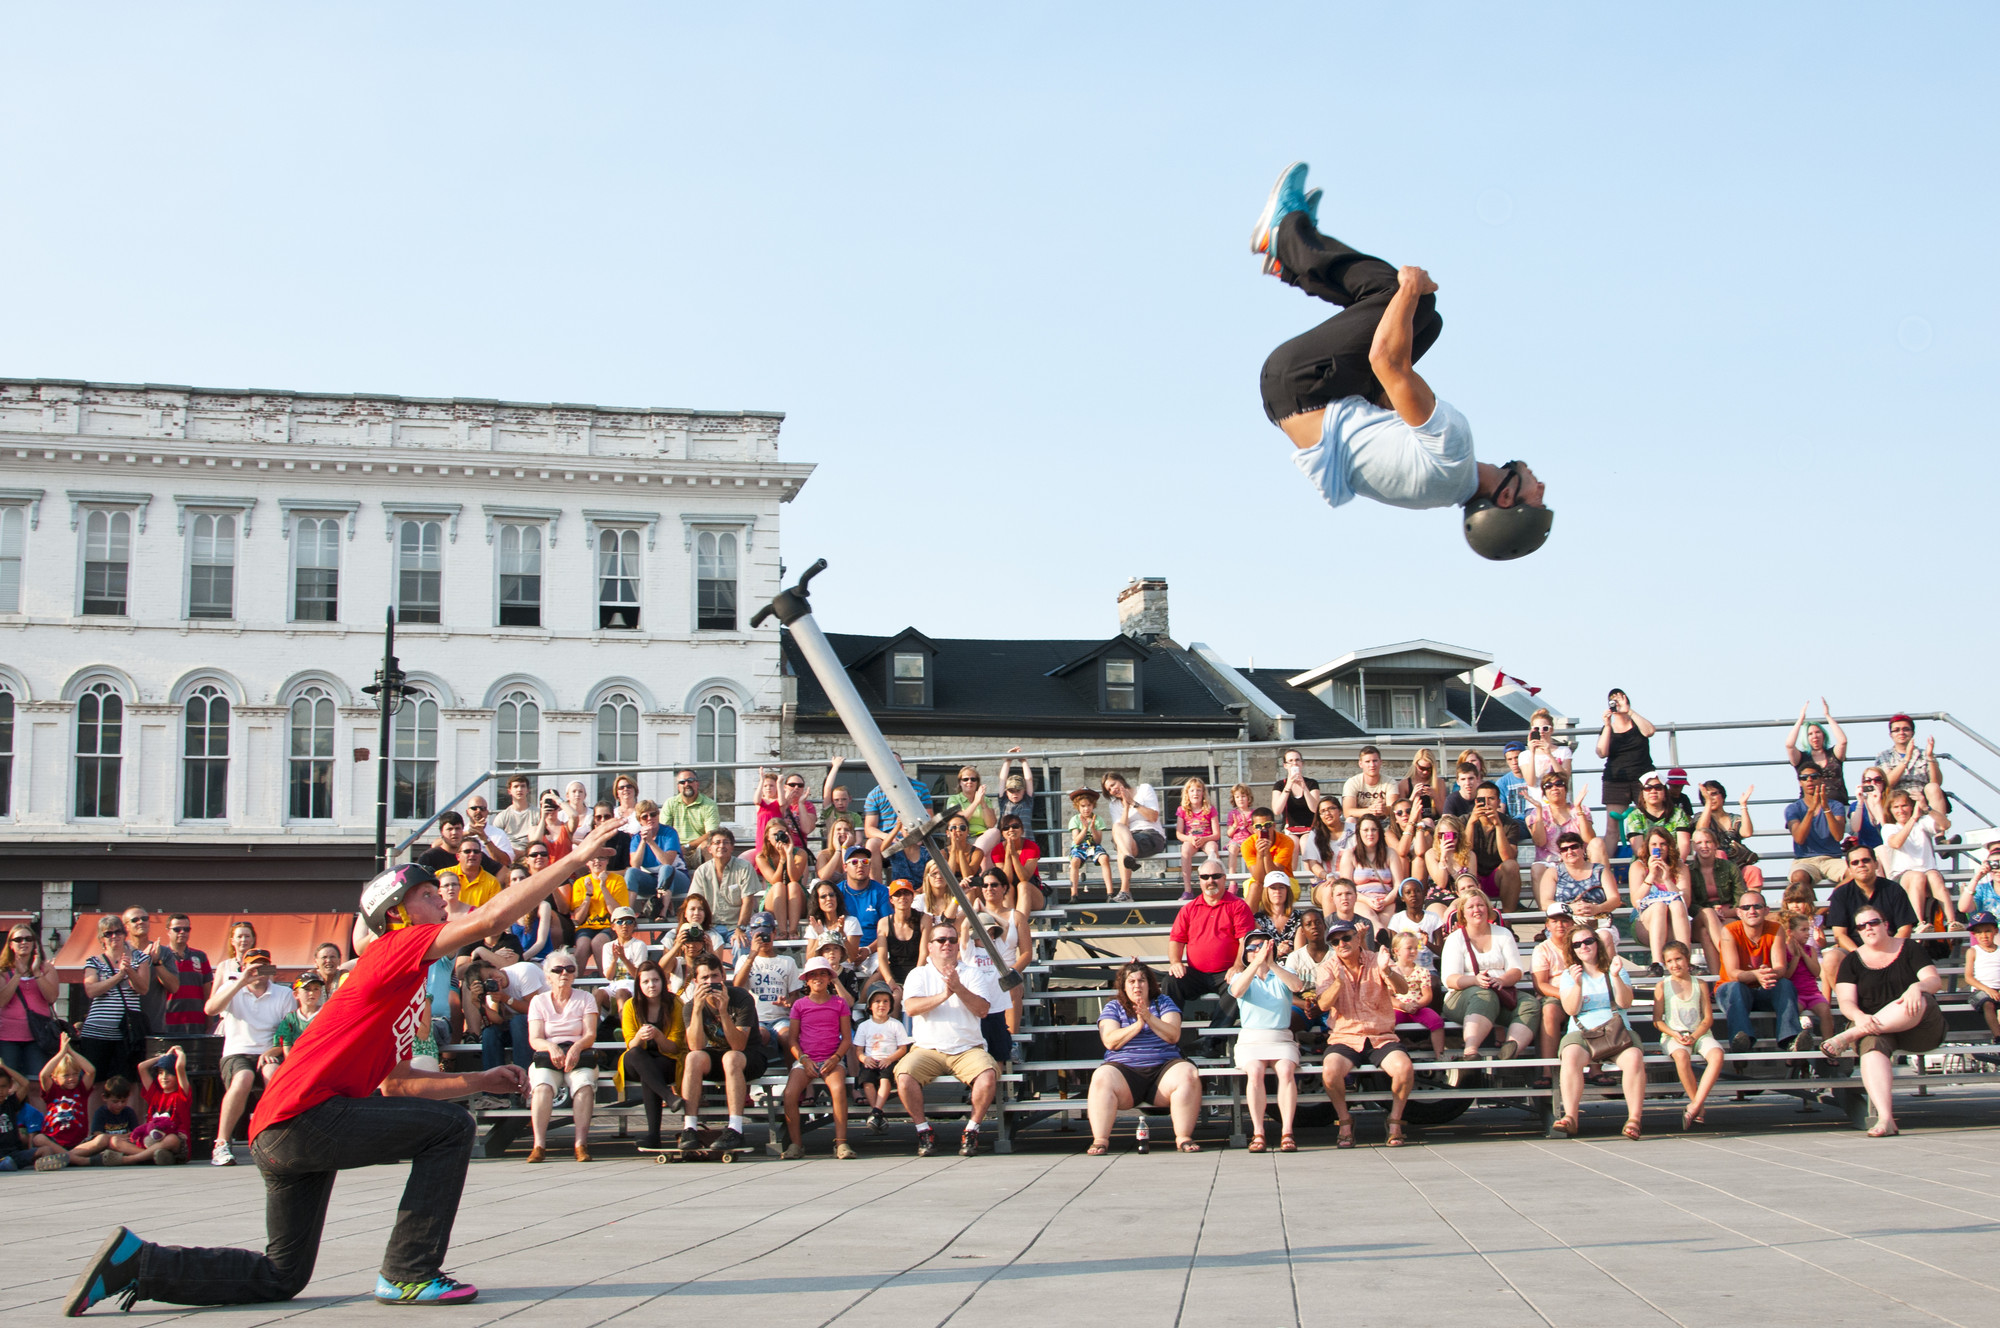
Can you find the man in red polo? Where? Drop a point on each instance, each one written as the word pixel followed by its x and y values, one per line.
pixel 1206 945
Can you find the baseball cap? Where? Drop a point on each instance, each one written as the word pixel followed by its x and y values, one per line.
pixel 877 989
pixel 1676 777
pixel 763 922
pixel 986 919
pixel 307 979
pixel 624 913
pixel 1981 919
pixel 1339 926
pixel 857 851
pixel 1653 777
pixel 387 890
pixel 1277 878
pixel 1515 747
pixel 1559 909
pixel 902 885
pixel 1259 936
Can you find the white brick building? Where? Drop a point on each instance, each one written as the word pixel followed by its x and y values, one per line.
pixel 192 594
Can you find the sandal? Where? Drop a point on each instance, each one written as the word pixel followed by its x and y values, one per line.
pixel 1395 1134
pixel 1879 1133
pixel 1631 1130
pixel 1346 1139
pixel 1098 1148
pixel 1687 1121
pixel 1286 1144
pixel 1256 1143
pixel 1186 1146
pixel 1568 1125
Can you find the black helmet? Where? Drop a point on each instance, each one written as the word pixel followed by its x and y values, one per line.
pixel 1503 533
pixel 387 890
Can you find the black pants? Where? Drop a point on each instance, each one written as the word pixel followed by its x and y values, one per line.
pixel 1331 361
pixel 1195 984
pixel 300 1159
pixel 657 1076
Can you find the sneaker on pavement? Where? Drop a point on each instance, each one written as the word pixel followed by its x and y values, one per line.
pixel 968 1144
pixel 926 1142
pixel 689 1141
pixel 728 1140
pixel 53 1162
pixel 440 1290
pixel 877 1122
pixel 1287 196
pixel 222 1155
pixel 112 1271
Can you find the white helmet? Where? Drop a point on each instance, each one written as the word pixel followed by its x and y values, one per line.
pixel 387 890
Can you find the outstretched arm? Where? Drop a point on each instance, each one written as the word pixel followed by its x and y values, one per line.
pixel 1395 340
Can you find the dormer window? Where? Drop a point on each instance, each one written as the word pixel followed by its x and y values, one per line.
pixel 1121 684
pixel 910 680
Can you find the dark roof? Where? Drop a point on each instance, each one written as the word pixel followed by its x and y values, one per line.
pixel 1312 718
pixel 1005 687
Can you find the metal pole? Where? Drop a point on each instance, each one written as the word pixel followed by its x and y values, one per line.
pixel 387 690
pixel 913 820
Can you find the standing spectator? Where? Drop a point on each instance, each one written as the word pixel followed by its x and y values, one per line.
pixel 1902 763
pixel 1820 751
pixel 691 815
pixel 1595 996
pixel 1729 831
pixel 1816 826
pixel 1263 990
pixel 823 1035
pixel 1545 754
pixel 562 1028
pixel 1755 966
pixel 1264 852
pixel 1493 857
pixel 656 873
pixel 1143 1066
pixel 27 987
pixel 1660 889
pixel 1359 999
pixel 785 867
pixel 1815 1011
pixel 1205 947
pixel 591 900
pixel 184 1014
pixel 1422 786
pixel 553 832
pixel 1482 974
pixel 1625 744
pixel 115 979
pixel 879 821
pixel 1086 845
pixel 654 1045
pixel 1196 828
pixel 1686 1022
pixel 1294 798
pixel 976 806
pixel 1657 808
pixel 1888 991
pixel 250 1009
pixel 867 899
pixel 166 978
pixel 1136 827
pixel 724 1046
pixel 1236 824
pixel 1909 845
pixel 1019 859
pixel 946 999
pixel 725 881
pixel 1368 791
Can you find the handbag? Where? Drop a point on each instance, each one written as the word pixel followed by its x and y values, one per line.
pixel 1608 1039
pixel 42 1030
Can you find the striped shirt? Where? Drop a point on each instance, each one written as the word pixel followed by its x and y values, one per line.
pixel 106 1021
pixel 184 1006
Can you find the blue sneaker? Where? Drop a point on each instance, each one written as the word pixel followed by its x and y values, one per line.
pixel 1288 195
pixel 1312 205
pixel 440 1290
pixel 112 1271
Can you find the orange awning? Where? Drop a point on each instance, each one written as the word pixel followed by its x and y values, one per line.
pixel 290 937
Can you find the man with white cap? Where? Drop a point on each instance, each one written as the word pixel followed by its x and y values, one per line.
pixel 324 1115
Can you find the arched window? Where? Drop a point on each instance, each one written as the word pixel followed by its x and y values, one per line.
pixel 617 737
pixel 715 581
pixel 715 741
pixel 618 578
pixel 205 755
pixel 415 776
pixel 100 740
pixel 519 724
pixel 6 753
pixel 311 778
pixel 419 572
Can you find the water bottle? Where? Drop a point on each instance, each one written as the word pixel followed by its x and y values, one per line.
pixel 1140 1137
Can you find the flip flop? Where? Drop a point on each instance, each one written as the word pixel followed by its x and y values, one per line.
pixel 1186 1146
pixel 1631 1130
pixel 1568 1126
pixel 1097 1148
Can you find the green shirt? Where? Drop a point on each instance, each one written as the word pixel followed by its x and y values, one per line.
pixel 1637 823
pixel 691 821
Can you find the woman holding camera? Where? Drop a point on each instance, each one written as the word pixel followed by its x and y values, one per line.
pixel 1626 747
pixel 562 1029
pixel 785 868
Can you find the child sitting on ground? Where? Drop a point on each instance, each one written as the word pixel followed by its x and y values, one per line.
pixel 1086 843
pixel 111 1127
pixel 66 1082
pixel 165 1137
pixel 823 1026
pixel 1406 957
pixel 16 1154
pixel 882 1041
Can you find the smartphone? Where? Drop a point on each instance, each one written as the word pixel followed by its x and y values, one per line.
pixel 1656 850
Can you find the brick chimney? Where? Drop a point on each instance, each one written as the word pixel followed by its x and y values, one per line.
pixel 1142 608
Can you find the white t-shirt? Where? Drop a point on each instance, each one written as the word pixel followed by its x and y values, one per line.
pixel 1500 955
pixel 950 1028
pixel 1144 796
pixel 770 979
pixel 1373 797
pixel 1301 962
pixel 1919 851
pixel 635 955
pixel 1368 452
pixel 817 932
pixel 878 1041
pixel 250 1019
pixel 524 980
pixel 1425 927
pixel 1984 965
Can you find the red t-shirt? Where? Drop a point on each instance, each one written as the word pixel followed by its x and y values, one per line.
pixel 365 1031
pixel 1210 932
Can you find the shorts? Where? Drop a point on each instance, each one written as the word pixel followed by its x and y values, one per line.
pixel 775 1028
pixel 1928 1033
pixel 544 1074
pixel 1668 1046
pixel 1145 843
pixel 1579 1040
pixel 586 934
pixel 1143 1081
pixel 1619 792
pixel 1087 853
pixel 1980 1000
pixel 1265 1044
pixel 1357 1057
pixel 234 1065
pixel 1489 883
pixel 1658 897
pixel 1830 870
pixel 923 1064
pixel 755 1062
pixel 870 1075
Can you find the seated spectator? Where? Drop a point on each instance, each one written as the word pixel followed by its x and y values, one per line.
pixel 497 987
pixel 1554 957
pixel 1422 787
pixel 1449 858
pixel 308 995
pixel 1517 797
pixel 726 882
pixel 1263 989
pixel 823 1032
pixel 1015 941
pixel 946 998
pixel 692 814
pixel 771 979
pixel 1816 827
pixel 847 977
pixel 1686 1022
pixel 1903 764
pixel 1482 974
pixel 1713 886
pixel 1136 827
pixel 1660 886
pixel 1309 951
pixel 1888 991
pixel 861 887
pixel 475 884
pixel 1909 850
pixel 621 961
pixel 552 830
pixel 1595 996
pixel 1413 1002
pixel 1141 1031
pixel 1548 820
pixel 1374 867
pixel 1196 827
pixel 1368 792
pixel 1982 892
pixel 900 939
pixel 250 1009
pixel 654 1045
pixel 443 852
pixel 976 805
pixel 591 899
pixel 785 869
pixel 1730 830
pixel 695 912
pixel 1982 969
pixel 1087 833
pixel 1657 810
pixel 790 805
pixel 725 1046
pixel 830 863
pixel 562 1029
pixel 1343 904
pixel 881 1041
pixel 1358 997
pixel 17 1152
pixel 165 1138
pixel 1823 754
pixel 66 1081
pixel 912 862
pixel 1235 823
pixel 1587 888
pixel 1868 813
pixel 1815 1011
pixel 1321 844
pixel 1865 887
pixel 656 873
pixel 1754 965
pixel 27 986
pixel 1264 852
pixel 961 855
pixel 112 1124
pixel 1409 837
pixel 827 916
pixel 684 947
pixel 1204 947
pixel 1279 917
pixel 1020 860
pixel 937 902
pixel 1419 918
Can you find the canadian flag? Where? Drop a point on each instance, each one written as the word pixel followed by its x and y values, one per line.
pixel 1501 680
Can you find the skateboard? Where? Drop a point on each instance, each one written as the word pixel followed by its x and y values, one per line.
pixel 706 1153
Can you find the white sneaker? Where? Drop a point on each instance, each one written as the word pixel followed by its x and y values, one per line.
pixel 223 1156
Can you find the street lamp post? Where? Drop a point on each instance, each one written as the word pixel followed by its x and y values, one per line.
pixel 387 689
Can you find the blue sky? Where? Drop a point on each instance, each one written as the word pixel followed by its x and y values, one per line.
pixel 1724 273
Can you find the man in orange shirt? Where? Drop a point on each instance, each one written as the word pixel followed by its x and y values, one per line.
pixel 1754 962
pixel 1264 852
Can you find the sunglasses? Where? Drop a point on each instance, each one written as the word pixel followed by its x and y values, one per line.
pixel 683 783
pixel 1865 923
pixel 563 968
pixel 1214 876
pixel 944 940
pixel 1582 941
pixel 1347 936
pixel 180 930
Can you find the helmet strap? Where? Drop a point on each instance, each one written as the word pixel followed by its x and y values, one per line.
pixel 1510 485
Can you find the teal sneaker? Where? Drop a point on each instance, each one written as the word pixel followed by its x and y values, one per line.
pixel 440 1290
pixel 1312 206
pixel 1288 195
pixel 112 1271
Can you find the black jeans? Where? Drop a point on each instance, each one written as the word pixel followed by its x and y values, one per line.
pixel 1195 984
pixel 1331 361
pixel 300 1159
pixel 657 1076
